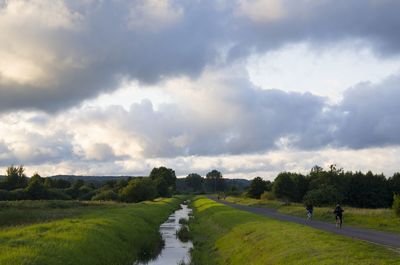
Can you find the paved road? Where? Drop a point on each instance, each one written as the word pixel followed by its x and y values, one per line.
pixel 372 236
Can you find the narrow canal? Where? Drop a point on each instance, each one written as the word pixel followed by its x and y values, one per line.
pixel 175 251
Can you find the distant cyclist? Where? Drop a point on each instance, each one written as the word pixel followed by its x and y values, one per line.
pixel 338 215
pixel 310 210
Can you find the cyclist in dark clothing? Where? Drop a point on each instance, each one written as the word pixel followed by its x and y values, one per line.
pixel 310 210
pixel 338 215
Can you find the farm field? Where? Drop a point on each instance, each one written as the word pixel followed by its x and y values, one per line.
pixel 223 235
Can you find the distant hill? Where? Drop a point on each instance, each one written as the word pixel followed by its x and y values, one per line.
pixel 93 179
pixel 238 182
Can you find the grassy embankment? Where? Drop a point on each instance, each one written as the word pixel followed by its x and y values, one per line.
pixel 109 233
pixel 16 213
pixel 377 219
pixel 223 235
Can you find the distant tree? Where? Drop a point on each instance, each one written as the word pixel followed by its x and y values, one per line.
pixel 139 190
pixel 283 186
pixel 268 185
pixel 368 190
pixel 162 187
pixel 15 178
pixel 300 187
pixel 49 183
pixel 396 204
pixel 167 174
pixel 122 183
pixel 36 178
pixel 36 188
pixel 19 194
pixel 6 195
pixel 233 190
pixel 215 181
pixel 110 184
pixel 61 184
pixel 394 183
pixel 105 195
pixel 78 183
pixel 316 170
pixel 194 181
pixel 257 187
pixel 323 196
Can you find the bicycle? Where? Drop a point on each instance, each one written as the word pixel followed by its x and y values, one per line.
pixel 309 215
pixel 339 221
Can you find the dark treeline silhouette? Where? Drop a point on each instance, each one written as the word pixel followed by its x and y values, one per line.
pixel 319 187
pixel 15 185
pixel 326 187
pixel 213 182
pixel 161 182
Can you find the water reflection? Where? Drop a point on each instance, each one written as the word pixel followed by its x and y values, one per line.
pixel 174 251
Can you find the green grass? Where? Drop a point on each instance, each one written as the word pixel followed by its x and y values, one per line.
pixel 17 213
pixel 377 219
pixel 223 235
pixel 111 234
pixel 254 202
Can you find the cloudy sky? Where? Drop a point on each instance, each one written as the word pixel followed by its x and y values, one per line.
pixel 249 87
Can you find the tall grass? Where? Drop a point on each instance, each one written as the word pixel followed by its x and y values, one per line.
pixel 223 235
pixel 16 213
pixel 110 235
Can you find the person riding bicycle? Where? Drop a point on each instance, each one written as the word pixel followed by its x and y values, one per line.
pixel 310 210
pixel 338 215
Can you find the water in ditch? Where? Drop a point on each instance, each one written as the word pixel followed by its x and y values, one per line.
pixel 174 251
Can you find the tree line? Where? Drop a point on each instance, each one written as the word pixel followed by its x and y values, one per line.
pixel 161 182
pixel 322 187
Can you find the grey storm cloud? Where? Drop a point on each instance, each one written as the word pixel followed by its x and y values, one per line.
pixel 70 51
pixel 370 115
pixel 36 149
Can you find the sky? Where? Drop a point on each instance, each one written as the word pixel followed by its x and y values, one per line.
pixel 247 87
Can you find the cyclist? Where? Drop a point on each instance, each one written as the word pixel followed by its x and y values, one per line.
pixel 338 215
pixel 310 210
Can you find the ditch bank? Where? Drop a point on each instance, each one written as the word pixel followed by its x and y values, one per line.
pixel 116 235
pixel 176 240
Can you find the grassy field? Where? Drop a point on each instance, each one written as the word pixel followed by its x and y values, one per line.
pixel 378 219
pixel 17 213
pixel 87 233
pixel 223 235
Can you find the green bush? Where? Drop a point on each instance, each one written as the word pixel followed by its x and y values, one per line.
pixel 183 221
pixel 183 234
pixel 57 194
pixel 107 195
pixel 324 196
pixel 19 194
pixel 5 195
pixel 396 204
pixel 139 190
pixel 267 195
